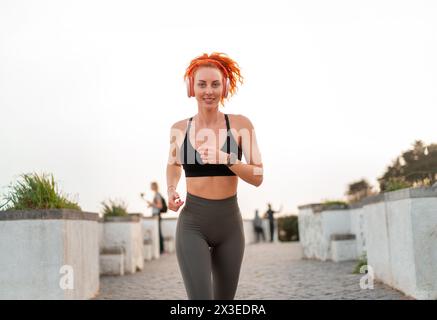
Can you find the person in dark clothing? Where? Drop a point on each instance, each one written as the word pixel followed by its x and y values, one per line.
pixel 269 214
pixel 258 227
pixel 157 208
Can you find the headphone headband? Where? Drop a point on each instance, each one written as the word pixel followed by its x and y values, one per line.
pixel 190 78
pixel 217 63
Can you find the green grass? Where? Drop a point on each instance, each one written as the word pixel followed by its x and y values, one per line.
pixel 362 261
pixel 35 191
pixel 114 209
pixel 396 184
pixel 335 203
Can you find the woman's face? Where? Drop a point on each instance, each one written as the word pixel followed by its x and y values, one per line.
pixel 208 87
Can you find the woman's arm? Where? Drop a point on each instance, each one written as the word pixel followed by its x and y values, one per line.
pixel 252 171
pixel 173 176
pixel 174 171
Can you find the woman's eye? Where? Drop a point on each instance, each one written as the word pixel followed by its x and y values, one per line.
pixel 214 85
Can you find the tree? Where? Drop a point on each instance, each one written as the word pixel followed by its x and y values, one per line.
pixel 414 167
pixel 358 190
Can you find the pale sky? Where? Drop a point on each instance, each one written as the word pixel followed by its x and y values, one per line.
pixel 335 90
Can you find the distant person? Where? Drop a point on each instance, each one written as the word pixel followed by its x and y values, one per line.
pixel 269 214
pixel 258 227
pixel 158 206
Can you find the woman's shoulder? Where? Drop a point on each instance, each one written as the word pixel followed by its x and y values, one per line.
pixel 180 124
pixel 240 121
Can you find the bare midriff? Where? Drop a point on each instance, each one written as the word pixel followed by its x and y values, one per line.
pixel 218 187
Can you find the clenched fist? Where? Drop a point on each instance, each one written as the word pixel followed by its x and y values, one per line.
pixel 174 200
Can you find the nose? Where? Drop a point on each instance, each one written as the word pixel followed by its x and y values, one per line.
pixel 208 90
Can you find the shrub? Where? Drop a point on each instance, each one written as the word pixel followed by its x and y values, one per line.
pixel 288 228
pixel 414 167
pixel 335 203
pixel 362 261
pixel 396 184
pixel 114 209
pixel 358 190
pixel 36 192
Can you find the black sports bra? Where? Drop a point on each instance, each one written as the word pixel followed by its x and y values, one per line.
pixel 196 168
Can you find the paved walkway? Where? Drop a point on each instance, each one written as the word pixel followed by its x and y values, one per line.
pixel 270 271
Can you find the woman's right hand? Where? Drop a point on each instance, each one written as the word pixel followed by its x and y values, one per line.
pixel 174 201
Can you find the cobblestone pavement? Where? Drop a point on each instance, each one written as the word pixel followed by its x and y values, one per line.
pixel 270 271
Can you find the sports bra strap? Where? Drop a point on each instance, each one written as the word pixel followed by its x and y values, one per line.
pixel 228 138
pixel 227 122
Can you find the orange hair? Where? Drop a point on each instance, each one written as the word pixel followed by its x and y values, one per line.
pixel 228 67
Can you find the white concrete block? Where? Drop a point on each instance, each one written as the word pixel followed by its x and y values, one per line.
pixel 402 235
pixel 150 228
pixel 316 226
pixel 148 255
pixel 112 264
pixel 378 250
pixel 169 244
pixel 49 254
pixel 126 232
pixel 343 250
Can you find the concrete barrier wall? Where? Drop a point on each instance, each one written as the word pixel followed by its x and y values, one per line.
pixel 397 230
pixel 49 254
pixel 402 236
pixel 378 253
pixel 249 234
pixel 334 222
pixel 168 227
pixel 358 229
pixel 400 244
pixel 311 233
pixel 126 232
pixel 316 226
pixel 424 225
pixel 100 233
pixel 150 229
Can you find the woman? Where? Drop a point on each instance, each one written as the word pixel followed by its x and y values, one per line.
pixel 209 232
pixel 157 206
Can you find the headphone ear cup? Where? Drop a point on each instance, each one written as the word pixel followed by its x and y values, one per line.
pixel 192 86
pixel 226 88
pixel 187 84
pixel 190 89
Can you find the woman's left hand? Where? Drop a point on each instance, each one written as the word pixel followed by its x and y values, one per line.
pixel 212 155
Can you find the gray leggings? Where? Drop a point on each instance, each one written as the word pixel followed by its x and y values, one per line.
pixel 210 241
